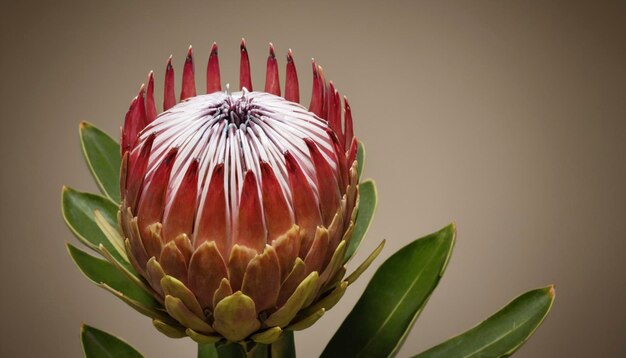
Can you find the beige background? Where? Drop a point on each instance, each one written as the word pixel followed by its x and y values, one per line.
pixel 508 117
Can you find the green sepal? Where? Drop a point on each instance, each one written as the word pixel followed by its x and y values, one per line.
pixel 172 330
pixel 307 321
pixel 80 211
pixel 203 338
pixel 365 264
pixel 177 309
pixel 336 261
pixel 102 154
pixel 288 311
pixel 102 272
pixel 501 334
pixel 327 302
pixel 337 277
pixel 393 299
pixel 173 287
pixel 268 336
pixel 366 208
pixel 100 344
pixel 236 317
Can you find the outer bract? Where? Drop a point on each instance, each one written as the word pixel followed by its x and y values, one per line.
pixel 237 207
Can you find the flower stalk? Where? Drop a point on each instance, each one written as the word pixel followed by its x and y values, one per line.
pixel 284 347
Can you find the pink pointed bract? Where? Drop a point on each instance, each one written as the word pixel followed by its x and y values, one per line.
pixel 244 191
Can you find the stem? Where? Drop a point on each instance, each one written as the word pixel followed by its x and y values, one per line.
pixel 284 347
pixel 207 351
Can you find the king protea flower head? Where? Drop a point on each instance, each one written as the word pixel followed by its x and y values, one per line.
pixel 237 207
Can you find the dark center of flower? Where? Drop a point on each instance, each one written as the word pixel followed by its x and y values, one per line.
pixel 237 110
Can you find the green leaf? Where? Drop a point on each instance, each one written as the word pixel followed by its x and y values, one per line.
pixel 101 271
pixel 103 157
pixel 501 334
pixel 360 157
pixel 367 207
pixel 99 344
pixel 393 299
pixel 85 214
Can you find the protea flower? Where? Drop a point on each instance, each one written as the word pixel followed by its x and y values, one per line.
pixel 237 207
pixel 238 213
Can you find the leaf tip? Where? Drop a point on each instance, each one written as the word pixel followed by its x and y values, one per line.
pixel 551 291
pixel 449 230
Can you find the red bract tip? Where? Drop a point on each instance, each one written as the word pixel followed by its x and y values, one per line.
pixel 150 105
pixel 136 172
pixel 141 107
pixel 337 110
pixel 305 203
pixel 326 91
pixel 277 214
pixel 351 156
pixel 213 80
pixel 245 80
pixel 152 201
pixel 348 126
pixel 326 183
pixel 129 129
pixel 334 111
pixel 179 217
pixel 189 82
pixel 169 96
pixel 292 90
pixel 212 220
pixel 317 95
pixel 134 121
pixel 272 53
pixel 272 83
pixel 250 227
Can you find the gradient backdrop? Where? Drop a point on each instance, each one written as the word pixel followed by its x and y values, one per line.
pixel 508 117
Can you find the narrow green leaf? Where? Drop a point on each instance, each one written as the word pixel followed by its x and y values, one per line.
pixel 103 157
pixel 501 334
pixel 360 157
pixel 367 207
pixel 111 233
pixel 82 211
pixel 393 299
pixel 101 271
pixel 99 344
